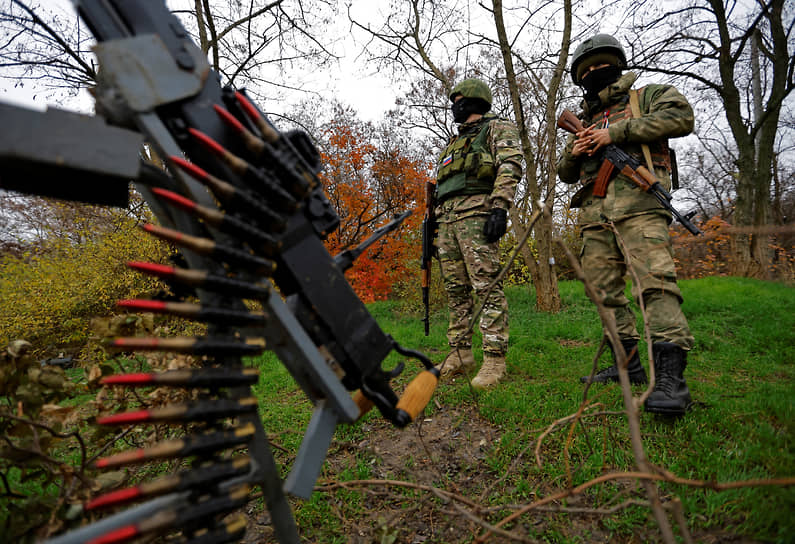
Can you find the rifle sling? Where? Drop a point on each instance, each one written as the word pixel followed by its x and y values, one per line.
pixel 634 106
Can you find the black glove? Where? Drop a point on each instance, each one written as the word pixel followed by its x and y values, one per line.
pixel 496 225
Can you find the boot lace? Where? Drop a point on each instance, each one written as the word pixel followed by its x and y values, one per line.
pixel 666 380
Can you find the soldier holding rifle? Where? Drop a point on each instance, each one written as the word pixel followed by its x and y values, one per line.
pixel 639 122
pixel 476 181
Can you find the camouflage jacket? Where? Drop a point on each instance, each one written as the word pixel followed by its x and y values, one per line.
pixel 665 113
pixel 503 141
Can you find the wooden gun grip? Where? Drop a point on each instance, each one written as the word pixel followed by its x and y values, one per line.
pixel 648 177
pixel 640 177
pixel 418 393
pixel 569 122
pixel 425 278
pixel 603 179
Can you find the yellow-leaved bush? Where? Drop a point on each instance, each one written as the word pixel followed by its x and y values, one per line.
pixel 48 297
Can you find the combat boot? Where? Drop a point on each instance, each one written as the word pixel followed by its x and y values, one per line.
pixel 670 397
pixel 459 361
pixel 635 370
pixel 491 372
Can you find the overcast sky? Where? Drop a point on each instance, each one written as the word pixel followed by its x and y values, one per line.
pixel 351 81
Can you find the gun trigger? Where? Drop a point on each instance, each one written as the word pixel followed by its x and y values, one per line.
pixel 397 371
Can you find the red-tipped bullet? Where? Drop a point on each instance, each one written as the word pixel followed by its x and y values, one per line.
pixel 176 198
pixel 268 132
pixel 289 167
pixel 197 479
pixel 195 171
pixel 114 498
pixel 226 223
pixel 122 534
pixel 200 278
pixel 202 377
pixel 193 345
pixel 253 143
pixel 206 246
pixel 195 311
pixel 192 445
pixel 233 161
pixel 204 410
pixel 235 198
pixel 232 121
pixel 255 178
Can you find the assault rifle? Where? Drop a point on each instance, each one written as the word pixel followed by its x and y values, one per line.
pixel 616 160
pixel 428 234
pixel 244 202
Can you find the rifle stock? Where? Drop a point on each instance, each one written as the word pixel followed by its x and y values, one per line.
pixel 570 122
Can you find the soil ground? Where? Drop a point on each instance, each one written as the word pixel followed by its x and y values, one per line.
pixel 446 451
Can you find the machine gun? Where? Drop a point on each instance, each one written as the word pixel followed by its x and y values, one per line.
pixel 617 160
pixel 244 202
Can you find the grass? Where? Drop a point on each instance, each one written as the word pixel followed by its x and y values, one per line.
pixel 740 375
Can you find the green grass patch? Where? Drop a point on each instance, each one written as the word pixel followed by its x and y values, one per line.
pixel 740 375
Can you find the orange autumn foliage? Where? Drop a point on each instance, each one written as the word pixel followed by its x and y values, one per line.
pixel 711 253
pixel 368 184
pixel 705 255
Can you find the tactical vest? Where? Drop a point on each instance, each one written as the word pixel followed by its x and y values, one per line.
pixel 660 155
pixel 466 166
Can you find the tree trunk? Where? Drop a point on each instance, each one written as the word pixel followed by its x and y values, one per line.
pixel 750 246
pixel 743 262
pixel 547 296
pixel 541 269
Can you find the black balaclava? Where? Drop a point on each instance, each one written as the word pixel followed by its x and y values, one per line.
pixel 597 80
pixel 466 106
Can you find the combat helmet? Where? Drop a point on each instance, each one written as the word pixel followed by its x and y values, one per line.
pixel 472 88
pixel 601 48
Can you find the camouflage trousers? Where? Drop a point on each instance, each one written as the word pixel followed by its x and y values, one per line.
pixel 649 256
pixel 469 266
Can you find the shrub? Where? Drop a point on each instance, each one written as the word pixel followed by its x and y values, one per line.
pixel 49 297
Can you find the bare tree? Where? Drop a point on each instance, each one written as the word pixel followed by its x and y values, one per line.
pixel 45 46
pixel 248 43
pixel 542 269
pixel 442 41
pixel 743 55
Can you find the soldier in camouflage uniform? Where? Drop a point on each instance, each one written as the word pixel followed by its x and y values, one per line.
pixel 643 243
pixel 476 182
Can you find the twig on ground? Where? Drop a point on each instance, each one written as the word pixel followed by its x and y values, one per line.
pixel 643 476
pixel 609 323
pixel 554 424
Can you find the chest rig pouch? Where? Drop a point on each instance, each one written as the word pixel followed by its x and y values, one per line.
pixel 657 153
pixel 466 166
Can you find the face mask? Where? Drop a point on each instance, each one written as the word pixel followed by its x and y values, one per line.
pixel 466 106
pixel 599 79
pixel 461 110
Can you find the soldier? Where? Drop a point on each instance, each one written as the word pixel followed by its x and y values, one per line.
pixel 660 112
pixel 475 186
